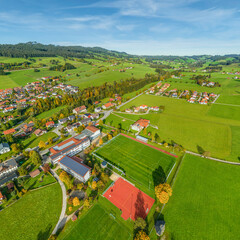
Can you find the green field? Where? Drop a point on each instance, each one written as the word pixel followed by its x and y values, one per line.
pixel 49 113
pixel 144 166
pixel 205 201
pixel 191 125
pixel 97 223
pixel 33 217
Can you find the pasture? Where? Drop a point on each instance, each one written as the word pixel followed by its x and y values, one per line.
pixel 32 217
pixel 144 166
pixel 205 201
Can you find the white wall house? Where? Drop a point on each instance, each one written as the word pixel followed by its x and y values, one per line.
pixel 4 147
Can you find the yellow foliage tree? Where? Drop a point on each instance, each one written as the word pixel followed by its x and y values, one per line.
pixel 141 235
pixel 163 192
pixel 86 204
pixel 42 144
pixel 100 141
pixel 76 202
pixel 94 185
pixel 109 136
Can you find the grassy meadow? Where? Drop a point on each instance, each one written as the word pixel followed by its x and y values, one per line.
pixel 144 166
pixel 103 222
pixel 32 217
pixel 204 204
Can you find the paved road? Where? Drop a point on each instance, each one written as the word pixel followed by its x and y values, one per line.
pixel 62 218
pixel 213 159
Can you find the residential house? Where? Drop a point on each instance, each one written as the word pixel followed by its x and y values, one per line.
pixel 4 147
pixel 62 121
pixel 107 105
pixel 39 132
pixel 50 124
pixel 85 122
pixel 98 109
pixel 92 132
pixel 75 167
pixel 79 109
pixel 71 118
pixel 155 108
pixel 34 173
pixel 8 171
pixel 1 196
pixel 140 124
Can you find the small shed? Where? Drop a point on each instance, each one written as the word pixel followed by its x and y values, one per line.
pixel 104 164
pixel 160 227
pixel 96 179
pixel 34 173
pixel 142 139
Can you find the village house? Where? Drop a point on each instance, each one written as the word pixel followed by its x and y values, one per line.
pixel 62 121
pixel 80 109
pixel 107 105
pixel 4 148
pixel 75 167
pixel 155 108
pixel 50 124
pixel 8 171
pixel 140 124
pixel 39 132
pixel 98 109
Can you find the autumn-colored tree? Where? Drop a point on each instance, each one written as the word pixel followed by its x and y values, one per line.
pixel 46 167
pixel 100 141
pixel 100 122
pixel 141 235
pixel 15 148
pixel 42 144
pixel 104 177
pixel 61 116
pixel 165 145
pixel 86 203
pixel 70 209
pixel 50 141
pixel 109 136
pixel 64 177
pixel 163 192
pixel 94 185
pixel 145 131
pixel 80 186
pixel 76 202
pixel 206 154
pixel 35 158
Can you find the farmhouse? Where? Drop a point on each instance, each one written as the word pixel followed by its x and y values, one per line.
pixel 79 109
pixel 140 124
pixel 75 167
pixel 4 147
pixel 69 147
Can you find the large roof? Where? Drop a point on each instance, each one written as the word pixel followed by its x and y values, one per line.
pixel 75 165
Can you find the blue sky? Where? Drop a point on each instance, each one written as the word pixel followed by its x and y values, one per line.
pixel 153 27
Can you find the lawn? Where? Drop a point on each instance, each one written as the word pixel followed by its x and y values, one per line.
pixel 49 113
pixel 41 180
pixel 144 166
pixel 33 217
pixel 100 222
pixel 205 201
pixel 33 140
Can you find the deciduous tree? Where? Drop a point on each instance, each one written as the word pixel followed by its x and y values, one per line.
pixel 76 202
pixel 141 235
pixel 163 192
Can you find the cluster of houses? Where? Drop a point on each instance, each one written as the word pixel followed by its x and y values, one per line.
pixel 21 130
pixel 231 73
pixel 142 108
pixel 8 171
pixel 159 89
pixel 23 97
pixel 201 98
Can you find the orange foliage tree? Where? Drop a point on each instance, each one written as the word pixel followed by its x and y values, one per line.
pixel 163 192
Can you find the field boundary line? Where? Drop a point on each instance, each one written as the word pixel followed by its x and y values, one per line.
pixel 146 144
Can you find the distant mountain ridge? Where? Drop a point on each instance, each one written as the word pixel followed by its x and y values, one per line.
pixel 33 49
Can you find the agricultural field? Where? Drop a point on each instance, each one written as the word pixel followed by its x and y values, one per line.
pixel 144 166
pixel 193 126
pixel 103 222
pixel 32 217
pixel 204 204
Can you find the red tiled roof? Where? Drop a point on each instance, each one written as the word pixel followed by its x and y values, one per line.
pixel 92 129
pixel 49 123
pixel 34 173
pixel 9 131
pixel 142 122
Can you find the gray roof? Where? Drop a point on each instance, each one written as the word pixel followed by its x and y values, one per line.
pixel 160 227
pixel 11 162
pixel 75 166
pixel 4 145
